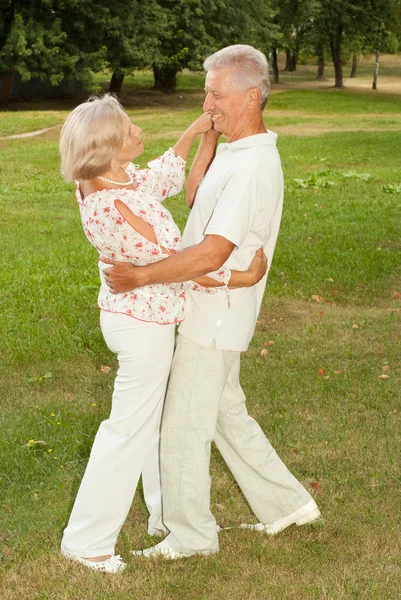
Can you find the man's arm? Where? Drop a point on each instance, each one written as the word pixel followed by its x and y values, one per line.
pixel 201 164
pixel 188 264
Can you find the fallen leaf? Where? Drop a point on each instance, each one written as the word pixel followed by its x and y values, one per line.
pixel 105 369
pixel 355 326
pixel 320 313
pixel 264 352
pixel 220 506
pixel 397 295
pixel 330 279
pixel 321 372
pixel 68 395
pixel 337 372
pixel 384 376
pixel 267 344
pixel 317 298
pixel 315 485
pixel 385 368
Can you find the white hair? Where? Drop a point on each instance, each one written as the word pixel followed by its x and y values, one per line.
pixel 249 68
pixel 91 137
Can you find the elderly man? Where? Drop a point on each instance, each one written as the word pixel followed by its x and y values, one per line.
pixel 237 196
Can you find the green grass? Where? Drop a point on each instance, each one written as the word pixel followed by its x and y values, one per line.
pixel 22 121
pixel 335 102
pixel 338 429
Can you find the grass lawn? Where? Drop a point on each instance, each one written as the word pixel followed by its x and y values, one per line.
pixel 327 392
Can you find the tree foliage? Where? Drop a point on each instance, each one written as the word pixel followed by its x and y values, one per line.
pixel 198 27
pixel 41 39
pixel 352 24
pixel 54 39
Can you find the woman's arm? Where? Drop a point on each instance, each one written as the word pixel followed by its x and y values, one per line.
pixel 239 279
pixel 201 125
pixel 202 161
pixel 166 174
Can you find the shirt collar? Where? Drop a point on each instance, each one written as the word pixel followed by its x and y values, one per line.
pixel 259 139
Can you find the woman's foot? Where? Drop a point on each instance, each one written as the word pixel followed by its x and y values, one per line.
pixel 110 563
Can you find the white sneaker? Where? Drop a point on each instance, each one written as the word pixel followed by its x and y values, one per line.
pixel 306 514
pixel 163 549
pixel 114 564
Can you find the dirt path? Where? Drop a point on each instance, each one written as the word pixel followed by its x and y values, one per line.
pixel 28 134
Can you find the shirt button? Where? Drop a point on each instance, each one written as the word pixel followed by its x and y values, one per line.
pixel 219 324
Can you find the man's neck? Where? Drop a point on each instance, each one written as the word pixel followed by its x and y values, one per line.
pixel 251 129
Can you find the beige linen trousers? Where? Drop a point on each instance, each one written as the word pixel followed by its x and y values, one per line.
pixel 205 402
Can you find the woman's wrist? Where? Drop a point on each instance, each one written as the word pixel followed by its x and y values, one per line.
pixel 241 279
pixel 210 137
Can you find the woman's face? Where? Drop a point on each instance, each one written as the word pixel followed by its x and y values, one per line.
pixel 132 145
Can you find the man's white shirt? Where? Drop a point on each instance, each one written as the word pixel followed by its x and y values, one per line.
pixel 241 199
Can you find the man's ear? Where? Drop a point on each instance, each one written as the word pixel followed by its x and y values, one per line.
pixel 254 97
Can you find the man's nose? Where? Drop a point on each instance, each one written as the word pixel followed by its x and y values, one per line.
pixel 207 105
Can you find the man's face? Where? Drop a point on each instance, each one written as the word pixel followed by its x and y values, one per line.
pixel 227 105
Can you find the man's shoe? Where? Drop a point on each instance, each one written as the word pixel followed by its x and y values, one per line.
pixel 306 514
pixel 163 549
pixel 114 564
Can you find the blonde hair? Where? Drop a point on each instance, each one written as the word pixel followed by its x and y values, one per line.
pixel 249 66
pixel 91 137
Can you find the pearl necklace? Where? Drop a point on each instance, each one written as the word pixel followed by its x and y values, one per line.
pixel 129 182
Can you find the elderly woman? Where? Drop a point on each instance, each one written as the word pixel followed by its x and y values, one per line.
pixel 123 218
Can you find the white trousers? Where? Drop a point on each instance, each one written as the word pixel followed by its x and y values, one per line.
pixel 205 402
pixel 127 443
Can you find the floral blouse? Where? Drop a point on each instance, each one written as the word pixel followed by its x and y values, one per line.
pixel 115 238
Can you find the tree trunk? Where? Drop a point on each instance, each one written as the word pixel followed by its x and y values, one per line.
pixel 320 68
pixel 354 65
pixel 116 83
pixel 165 79
pixel 376 71
pixel 320 62
pixel 335 47
pixel 290 61
pixel 274 64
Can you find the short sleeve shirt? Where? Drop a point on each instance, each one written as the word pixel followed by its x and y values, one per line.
pixel 240 198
